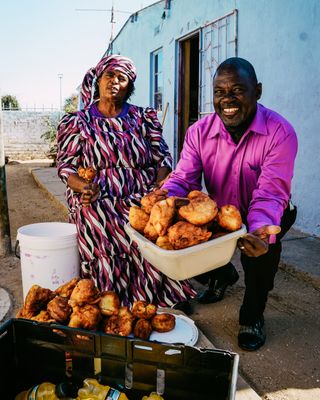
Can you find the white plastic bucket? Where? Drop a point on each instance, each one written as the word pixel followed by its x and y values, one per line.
pixel 49 254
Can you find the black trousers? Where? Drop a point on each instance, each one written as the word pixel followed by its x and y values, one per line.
pixel 259 274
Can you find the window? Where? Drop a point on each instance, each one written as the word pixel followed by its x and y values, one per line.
pixel 157 80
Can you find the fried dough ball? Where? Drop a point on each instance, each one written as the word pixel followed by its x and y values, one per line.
pixel 148 201
pixel 162 215
pixel 142 329
pixel 84 292
pixel 229 218
pixel 59 309
pixel 153 396
pixel 87 174
pixel 163 322
pixel 126 313
pixel 43 316
pixel 66 289
pixel 184 234
pixel 143 309
pixel 109 303
pixel 201 209
pixel 138 218
pixel 196 194
pixel 22 313
pixel 117 325
pixel 36 300
pixel 164 243
pixel 87 316
pixel 150 232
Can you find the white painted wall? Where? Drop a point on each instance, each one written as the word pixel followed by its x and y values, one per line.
pixel 280 37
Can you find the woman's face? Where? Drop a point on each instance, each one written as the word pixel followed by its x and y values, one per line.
pixel 113 85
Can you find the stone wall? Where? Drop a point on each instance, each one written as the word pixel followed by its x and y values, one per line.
pixel 22 132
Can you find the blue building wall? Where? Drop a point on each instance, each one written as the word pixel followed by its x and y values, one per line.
pixel 279 37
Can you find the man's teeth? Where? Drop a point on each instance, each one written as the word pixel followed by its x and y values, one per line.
pixel 230 110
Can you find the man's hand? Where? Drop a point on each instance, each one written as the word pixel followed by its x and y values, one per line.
pixel 90 193
pixel 256 244
pixel 163 175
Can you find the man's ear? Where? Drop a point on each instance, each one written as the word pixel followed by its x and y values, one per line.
pixel 258 90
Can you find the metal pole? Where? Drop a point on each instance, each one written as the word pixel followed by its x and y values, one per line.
pixel 5 239
pixel 60 76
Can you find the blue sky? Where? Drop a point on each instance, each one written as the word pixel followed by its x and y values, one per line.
pixel 43 38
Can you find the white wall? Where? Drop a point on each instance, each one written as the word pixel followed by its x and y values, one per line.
pixel 285 52
pixel 22 132
pixel 280 37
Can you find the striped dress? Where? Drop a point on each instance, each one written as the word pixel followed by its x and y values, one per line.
pixel 126 152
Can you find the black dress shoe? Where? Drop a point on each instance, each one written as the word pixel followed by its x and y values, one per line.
pixel 252 337
pixel 217 288
pixel 184 306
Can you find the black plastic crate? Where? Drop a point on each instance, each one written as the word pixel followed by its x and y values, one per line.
pixel 33 352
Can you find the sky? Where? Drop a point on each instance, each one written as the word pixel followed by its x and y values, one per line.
pixel 48 45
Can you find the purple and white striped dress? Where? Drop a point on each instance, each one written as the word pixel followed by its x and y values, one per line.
pixel 126 151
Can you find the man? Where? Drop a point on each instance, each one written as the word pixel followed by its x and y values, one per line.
pixel 245 153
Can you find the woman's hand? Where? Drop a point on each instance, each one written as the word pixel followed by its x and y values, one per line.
pixel 90 193
pixel 256 244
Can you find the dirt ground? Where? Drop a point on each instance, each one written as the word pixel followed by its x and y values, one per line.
pixel 286 368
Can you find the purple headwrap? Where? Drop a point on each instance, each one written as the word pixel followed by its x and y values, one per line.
pixel 112 62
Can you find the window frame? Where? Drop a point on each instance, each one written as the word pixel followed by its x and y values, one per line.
pixel 156 76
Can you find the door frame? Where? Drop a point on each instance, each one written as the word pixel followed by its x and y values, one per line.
pixel 178 85
pixel 231 49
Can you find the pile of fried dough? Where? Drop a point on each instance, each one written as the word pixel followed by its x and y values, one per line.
pixel 175 223
pixel 79 304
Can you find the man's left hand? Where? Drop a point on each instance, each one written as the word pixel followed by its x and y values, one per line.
pixel 256 244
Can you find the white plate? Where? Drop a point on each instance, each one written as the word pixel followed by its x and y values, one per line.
pixel 184 332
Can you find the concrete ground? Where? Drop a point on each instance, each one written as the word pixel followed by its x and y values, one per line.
pixel 300 261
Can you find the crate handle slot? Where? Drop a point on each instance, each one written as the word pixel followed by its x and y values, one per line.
pixel 68 358
pixel 172 352
pixel 137 346
pixel 161 374
pixel 129 376
pixel 97 366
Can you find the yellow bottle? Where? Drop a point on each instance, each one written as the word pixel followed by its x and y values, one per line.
pixel 92 390
pixel 44 391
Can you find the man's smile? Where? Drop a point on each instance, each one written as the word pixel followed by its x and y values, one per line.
pixel 230 111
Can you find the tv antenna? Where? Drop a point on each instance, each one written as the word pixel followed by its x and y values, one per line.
pixel 112 20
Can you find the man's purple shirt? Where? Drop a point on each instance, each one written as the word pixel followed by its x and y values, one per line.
pixel 254 175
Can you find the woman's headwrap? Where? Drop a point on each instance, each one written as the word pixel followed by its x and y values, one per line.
pixel 113 62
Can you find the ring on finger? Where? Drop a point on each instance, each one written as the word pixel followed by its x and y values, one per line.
pixel 241 247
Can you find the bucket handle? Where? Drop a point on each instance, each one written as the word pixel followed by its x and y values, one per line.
pixel 16 247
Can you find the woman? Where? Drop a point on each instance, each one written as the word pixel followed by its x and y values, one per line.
pixel 124 144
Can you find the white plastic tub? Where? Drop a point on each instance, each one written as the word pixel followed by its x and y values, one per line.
pixel 49 254
pixel 189 262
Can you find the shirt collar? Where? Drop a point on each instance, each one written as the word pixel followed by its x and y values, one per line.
pixel 258 125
